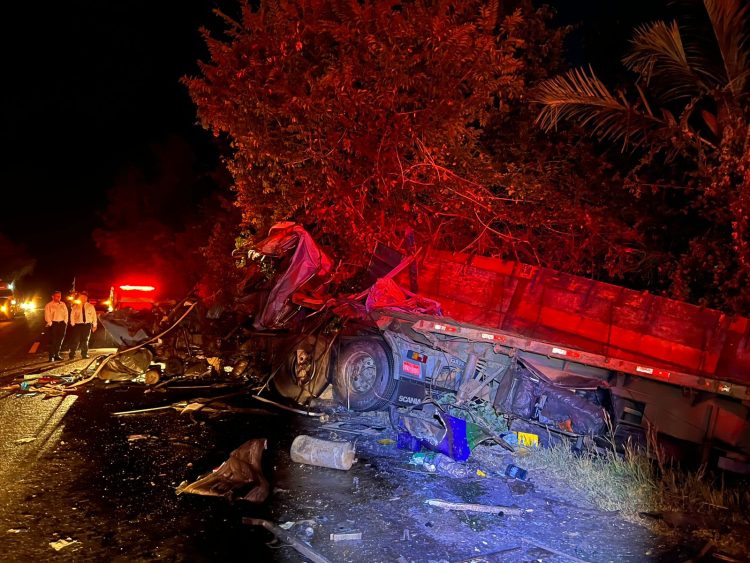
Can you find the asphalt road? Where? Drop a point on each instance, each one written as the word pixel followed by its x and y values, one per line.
pixel 23 340
pixel 68 469
pixel 17 337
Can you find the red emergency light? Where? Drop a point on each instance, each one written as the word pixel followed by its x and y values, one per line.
pixel 135 296
pixel 137 288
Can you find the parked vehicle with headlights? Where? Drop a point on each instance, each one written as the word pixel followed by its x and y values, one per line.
pixel 9 306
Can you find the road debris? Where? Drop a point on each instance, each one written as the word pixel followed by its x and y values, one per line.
pixel 24 440
pixel 323 453
pixel 243 468
pixel 441 464
pixel 515 472
pixel 359 426
pixel 346 536
pixel 283 407
pixel 440 431
pixel 61 544
pixel 141 411
pixel 467 507
pixel 288 538
pixel 554 551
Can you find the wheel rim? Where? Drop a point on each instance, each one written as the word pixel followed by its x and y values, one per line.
pixel 301 364
pixel 361 372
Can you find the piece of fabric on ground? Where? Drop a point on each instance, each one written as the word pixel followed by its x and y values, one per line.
pixel 239 477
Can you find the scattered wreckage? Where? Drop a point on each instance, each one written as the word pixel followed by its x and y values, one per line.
pixel 557 354
pixel 560 357
pixel 476 350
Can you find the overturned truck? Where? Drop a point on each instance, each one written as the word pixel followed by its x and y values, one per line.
pixel 560 352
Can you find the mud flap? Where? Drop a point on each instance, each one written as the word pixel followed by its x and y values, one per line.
pixel 409 393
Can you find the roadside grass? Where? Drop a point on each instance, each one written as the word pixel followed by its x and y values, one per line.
pixel 683 502
pixel 631 480
pixel 638 481
pixel 626 484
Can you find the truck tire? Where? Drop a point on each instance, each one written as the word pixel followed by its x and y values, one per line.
pixel 363 376
pixel 296 382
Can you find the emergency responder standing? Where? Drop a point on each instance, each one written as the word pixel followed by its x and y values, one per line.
pixel 82 323
pixel 56 318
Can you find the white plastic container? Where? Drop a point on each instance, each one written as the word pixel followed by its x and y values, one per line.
pixel 323 453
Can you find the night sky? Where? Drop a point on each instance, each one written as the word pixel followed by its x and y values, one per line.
pixel 90 87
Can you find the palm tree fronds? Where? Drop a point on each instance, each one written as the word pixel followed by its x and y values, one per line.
pixel 728 20
pixel 658 54
pixel 581 97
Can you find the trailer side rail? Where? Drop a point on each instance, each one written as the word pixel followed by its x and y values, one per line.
pixel 508 341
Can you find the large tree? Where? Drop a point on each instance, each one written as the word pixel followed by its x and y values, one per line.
pixel 686 130
pixel 364 120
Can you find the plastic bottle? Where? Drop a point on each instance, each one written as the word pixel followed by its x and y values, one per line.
pixel 313 451
pixel 446 466
pixel 441 464
pixel 515 472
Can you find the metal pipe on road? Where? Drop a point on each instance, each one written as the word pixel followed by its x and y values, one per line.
pixel 289 538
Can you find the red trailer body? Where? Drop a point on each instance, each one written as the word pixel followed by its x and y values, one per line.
pixel 682 369
pixel 670 337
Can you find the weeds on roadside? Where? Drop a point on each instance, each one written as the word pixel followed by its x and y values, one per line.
pixel 639 481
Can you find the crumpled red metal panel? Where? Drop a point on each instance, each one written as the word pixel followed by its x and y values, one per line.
pixel 309 267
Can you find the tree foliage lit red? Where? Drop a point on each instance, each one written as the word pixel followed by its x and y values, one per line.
pixel 363 120
pixel 687 125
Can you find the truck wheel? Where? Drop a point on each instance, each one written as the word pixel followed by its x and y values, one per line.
pixel 363 378
pixel 303 373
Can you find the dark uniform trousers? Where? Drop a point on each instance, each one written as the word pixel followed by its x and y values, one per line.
pixel 56 336
pixel 81 336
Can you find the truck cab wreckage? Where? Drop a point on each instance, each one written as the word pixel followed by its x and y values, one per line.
pixel 558 355
pixel 567 355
